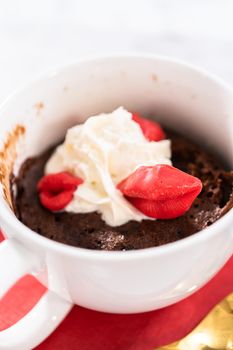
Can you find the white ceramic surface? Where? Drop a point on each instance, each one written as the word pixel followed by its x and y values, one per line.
pixel 190 100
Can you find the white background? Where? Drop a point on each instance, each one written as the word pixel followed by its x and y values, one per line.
pixel 37 35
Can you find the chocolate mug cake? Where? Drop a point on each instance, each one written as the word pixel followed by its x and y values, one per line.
pixel 119 183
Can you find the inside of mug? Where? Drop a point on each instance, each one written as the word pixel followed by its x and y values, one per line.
pixel 177 96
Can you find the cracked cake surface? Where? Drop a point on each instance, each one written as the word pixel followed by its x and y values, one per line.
pixel 90 231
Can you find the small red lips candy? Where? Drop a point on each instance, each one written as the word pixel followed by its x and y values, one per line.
pixel 161 191
pixel 151 130
pixel 56 190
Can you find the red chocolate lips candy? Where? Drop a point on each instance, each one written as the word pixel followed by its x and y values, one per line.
pixel 161 191
pixel 151 130
pixel 56 190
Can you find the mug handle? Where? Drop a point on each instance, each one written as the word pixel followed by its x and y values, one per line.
pixel 15 262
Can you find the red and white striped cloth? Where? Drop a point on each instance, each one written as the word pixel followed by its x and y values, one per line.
pixel 85 329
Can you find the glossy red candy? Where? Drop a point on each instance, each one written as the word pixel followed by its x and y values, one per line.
pixel 55 202
pixel 151 130
pixel 161 191
pixel 56 190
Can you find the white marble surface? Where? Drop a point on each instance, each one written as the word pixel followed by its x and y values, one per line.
pixel 37 35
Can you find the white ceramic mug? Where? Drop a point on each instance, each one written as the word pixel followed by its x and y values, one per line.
pixel 182 97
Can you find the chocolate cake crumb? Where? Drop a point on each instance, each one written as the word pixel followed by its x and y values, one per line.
pixel 91 232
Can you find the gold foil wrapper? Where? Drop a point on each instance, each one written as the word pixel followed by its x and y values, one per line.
pixel 215 332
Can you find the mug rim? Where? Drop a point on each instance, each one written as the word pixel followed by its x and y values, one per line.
pixel 8 217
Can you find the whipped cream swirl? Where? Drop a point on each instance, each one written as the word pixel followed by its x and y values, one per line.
pixel 103 151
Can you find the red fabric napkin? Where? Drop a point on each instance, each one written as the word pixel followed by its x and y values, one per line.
pixel 85 329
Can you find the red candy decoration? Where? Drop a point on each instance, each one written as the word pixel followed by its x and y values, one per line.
pixel 161 191
pixel 56 190
pixel 55 202
pixel 151 130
